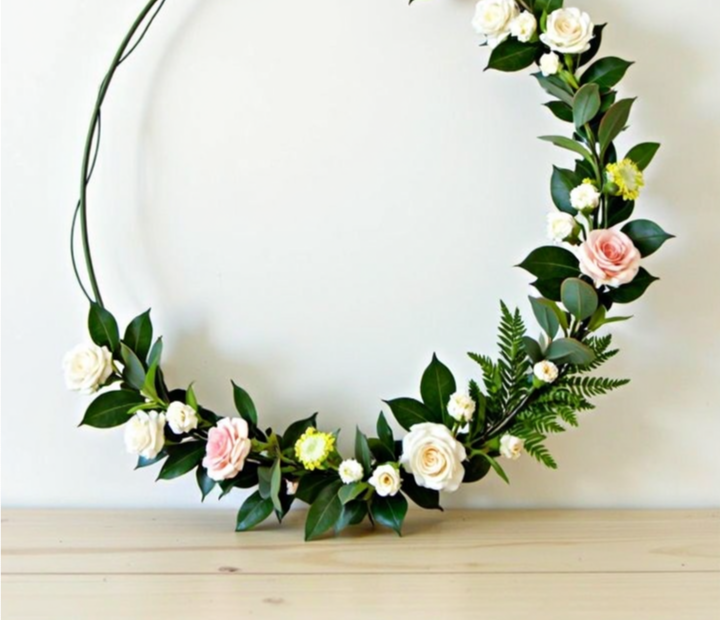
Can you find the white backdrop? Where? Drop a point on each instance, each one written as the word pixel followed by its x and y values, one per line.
pixel 313 197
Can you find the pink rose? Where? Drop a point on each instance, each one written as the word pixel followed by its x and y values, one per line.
pixel 227 448
pixel 609 257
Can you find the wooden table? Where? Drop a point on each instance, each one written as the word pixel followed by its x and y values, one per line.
pixel 555 565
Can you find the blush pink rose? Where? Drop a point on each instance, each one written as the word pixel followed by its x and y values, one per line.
pixel 609 257
pixel 227 448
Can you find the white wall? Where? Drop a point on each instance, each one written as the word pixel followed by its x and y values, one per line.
pixel 315 196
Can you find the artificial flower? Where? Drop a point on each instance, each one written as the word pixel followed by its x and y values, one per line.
pixel 461 407
pixel 628 177
pixel 493 18
pixel 181 418
pixel 523 27
pixel 609 257
pixel 433 456
pixel 350 471
pixel 145 434
pixel 561 226
pixel 291 487
pixel 313 448
pixel 87 367
pixel 227 448
pixel 585 197
pixel 549 64
pixel 511 447
pixel 546 371
pixel 568 31
pixel 386 480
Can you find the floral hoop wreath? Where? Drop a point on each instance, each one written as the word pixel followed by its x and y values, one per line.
pixel 536 386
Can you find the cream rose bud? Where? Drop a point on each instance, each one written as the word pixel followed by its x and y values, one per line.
pixel 493 18
pixel 568 31
pixel 144 434
pixel 350 471
pixel 291 487
pixel 461 407
pixel 523 27
pixel 585 197
pixel 181 418
pixel 433 456
pixel 511 447
pixel 549 64
pixel 609 257
pixel 87 367
pixel 546 371
pixel 561 226
pixel 386 480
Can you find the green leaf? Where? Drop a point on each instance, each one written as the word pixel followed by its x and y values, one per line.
pixel 549 287
pixel 190 398
pixel 599 318
pixel 533 350
pixel 362 451
pixel 579 298
pixel 324 511
pixel 614 122
pixel 275 482
pixel 606 72
pixel 647 236
pixel 138 335
pixel 632 291
pixel 311 484
pixel 253 512
pixel 111 409
pixel 547 6
pixel 476 469
pixel 512 55
pixel 496 466
pixel 586 104
pixel 181 459
pixel 244 405
pixel 571 145
pixel 643 154
pixel 348 492
pixel 437 386
pixel 551 262
pixel 408 411
pixel 425 498
pixel 569 351
pixel 205 482
pixel 385 433
pixel 381 451
pixel 295 431
pixel 264 478
pixel 389 511
pixel 555 87
pixel 352 513
pixel 619 210
pixel 134 372
pixel 547 314
pixel 156 353
pixel 103 328
pixel 562 183
pixel 595 42
pixel 561 110
pixel 144 462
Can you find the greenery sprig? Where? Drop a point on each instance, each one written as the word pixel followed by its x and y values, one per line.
pixel 538 385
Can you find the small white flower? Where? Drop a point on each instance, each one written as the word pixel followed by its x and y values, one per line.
pixel 181 418
pixel 560 226
pixel 546 371
pixel 549 64
pixel 144 434
pixel 87 367
pixel 350 471
pixel 291 486
pixel 511 447
pixel 585 197
pixel 492 19
pixel 434 457
pixel 386 480
pixel 568 31
pixel 523 27
pixel 461 407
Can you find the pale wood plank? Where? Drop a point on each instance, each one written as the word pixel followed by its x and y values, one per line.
pixel 203 542
pixel 333 597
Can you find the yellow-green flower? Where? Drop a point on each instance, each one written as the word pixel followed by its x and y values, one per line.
pixel 628 177
pixel 313 448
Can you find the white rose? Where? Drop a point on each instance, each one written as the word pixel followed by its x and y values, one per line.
pixel 492 19
pixel 585 196
pixel 350 471
pixel 461 407
pixel 434 457
pixel 523 27
pixel 144 434
pixel 87 367
pixel 549 64
pixel 546 371
pixel 181 418
pixel 560 226
pixel 386 480
pixel 568 31
pixel 511 447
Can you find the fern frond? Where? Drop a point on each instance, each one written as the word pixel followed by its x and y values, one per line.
pixel 588 387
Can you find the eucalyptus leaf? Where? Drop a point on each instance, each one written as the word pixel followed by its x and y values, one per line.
pixel 569 351
pixel 533 350
pixel 579 298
